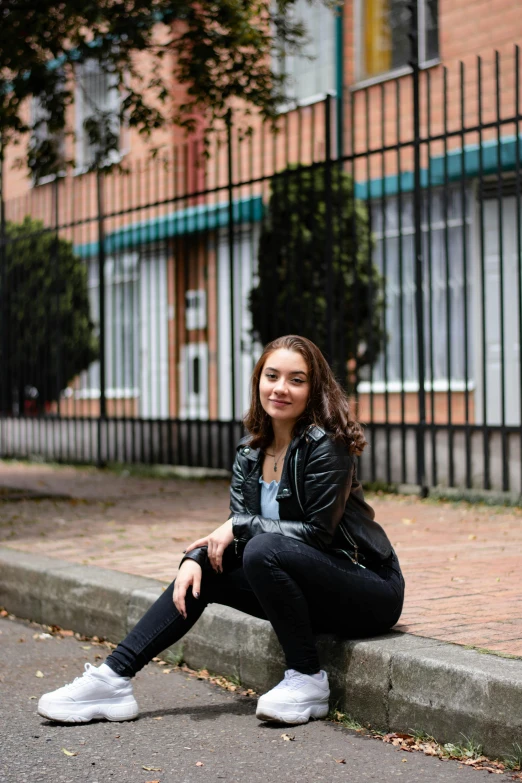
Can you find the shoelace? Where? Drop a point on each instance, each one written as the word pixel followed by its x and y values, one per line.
pixel 293 680
pixel 80 680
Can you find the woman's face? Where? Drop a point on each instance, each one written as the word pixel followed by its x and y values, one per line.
pixel 284 385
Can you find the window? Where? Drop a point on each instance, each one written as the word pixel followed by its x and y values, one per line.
pixel 312 73
pixel 194 381
pixel 444 296
pixel 97 106
pixel 195 309
pixel 383 32
pixel 121 335
pixel 47 146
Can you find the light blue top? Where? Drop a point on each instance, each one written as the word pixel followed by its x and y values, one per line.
pixel 269 504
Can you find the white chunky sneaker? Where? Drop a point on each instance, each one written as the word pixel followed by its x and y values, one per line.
pixel 98 693
pixel 295 699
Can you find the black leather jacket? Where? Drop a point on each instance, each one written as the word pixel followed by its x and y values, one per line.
pixel 320 500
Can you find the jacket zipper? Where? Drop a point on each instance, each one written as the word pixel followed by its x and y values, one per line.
pixel 355 558
pixel 296 485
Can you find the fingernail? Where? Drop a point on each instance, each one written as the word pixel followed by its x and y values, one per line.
pixel 196 595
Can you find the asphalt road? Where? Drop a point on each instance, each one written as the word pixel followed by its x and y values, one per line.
pixel 189 730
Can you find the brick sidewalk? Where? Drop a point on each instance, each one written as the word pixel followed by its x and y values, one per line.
pixel 462 563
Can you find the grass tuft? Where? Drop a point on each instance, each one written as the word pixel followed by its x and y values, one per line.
pixel 513 760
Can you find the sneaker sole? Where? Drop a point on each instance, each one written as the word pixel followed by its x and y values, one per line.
pixel 292 713
pixel 83 713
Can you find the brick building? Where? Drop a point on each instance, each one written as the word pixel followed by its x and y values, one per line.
pixel 177 267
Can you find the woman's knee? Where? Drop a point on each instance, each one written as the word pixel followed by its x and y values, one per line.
pixel 261 549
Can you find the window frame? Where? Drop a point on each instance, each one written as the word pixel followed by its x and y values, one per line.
pixel 46 179
pixel 439 383
pixel 294 102
pixel 81 167
pixel 361 82
pixel 88 390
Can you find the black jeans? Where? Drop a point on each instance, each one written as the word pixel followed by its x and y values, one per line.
pixel 301 591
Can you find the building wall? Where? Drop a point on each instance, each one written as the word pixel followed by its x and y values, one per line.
pixel 397 408
pixel 382 113
pixel 376 115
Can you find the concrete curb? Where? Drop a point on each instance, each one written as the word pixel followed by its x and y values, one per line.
pixel 396 682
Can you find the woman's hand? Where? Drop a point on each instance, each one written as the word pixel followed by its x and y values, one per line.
pixel 189 575
pixel 216 542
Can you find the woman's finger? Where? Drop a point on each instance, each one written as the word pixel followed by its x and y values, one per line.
pixel 196 544
pixel 196 584
pixel 179 599
pixel 218 558
pixel 211 553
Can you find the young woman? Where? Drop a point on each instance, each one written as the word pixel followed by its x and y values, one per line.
pixel 301 548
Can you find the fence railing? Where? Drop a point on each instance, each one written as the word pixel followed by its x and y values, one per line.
pixel 135 302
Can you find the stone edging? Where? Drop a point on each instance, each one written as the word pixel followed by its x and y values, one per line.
pixel 396 682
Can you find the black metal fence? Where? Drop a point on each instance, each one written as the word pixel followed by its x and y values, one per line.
pixel 396 246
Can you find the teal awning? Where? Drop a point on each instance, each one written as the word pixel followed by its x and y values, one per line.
pixel 494 157
pixel 491 157
pixel 203 217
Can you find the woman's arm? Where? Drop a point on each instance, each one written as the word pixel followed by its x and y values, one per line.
pixel 327 483
pixel 209 550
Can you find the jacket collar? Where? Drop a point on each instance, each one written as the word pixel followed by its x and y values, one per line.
pixel 306 431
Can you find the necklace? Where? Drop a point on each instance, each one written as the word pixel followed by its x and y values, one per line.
pixel 276 459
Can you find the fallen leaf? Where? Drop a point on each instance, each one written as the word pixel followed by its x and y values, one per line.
pixel 288 737
pixel 199 764
pixel 159 718
pixel 69 752
pixel 86 647
pixel 152 769
pixel 167 671
pixel 340 761
pixel 472 537
pixel 33 697
pixel 3 613
pixel 404 761
pixel 152 781
pixel 406 521
pixel 66 633
pixel 39 674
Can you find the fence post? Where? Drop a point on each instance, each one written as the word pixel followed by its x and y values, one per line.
pixel 330 315
pixel 417 217
pixel 4 339
pixel 232 287
pixel 56 271
pixel 102 416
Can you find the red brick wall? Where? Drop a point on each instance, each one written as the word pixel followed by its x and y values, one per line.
pixel 467 29
pixel 376 409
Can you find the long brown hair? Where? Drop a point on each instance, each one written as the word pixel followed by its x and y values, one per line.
pixel 327 405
